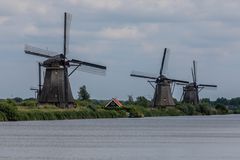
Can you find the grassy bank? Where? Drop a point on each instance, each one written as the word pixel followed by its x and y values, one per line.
pixel 10 111
pixel 178 110
pixel 28 110
pixel 40 114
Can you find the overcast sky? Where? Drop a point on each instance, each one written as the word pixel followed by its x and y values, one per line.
pixel 124 35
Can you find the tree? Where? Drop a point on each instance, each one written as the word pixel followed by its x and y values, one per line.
pixel 222 100
pixel 205 100
pixel 130 100
pixel 83 93
pixel 142 101
pixel 235 101
pixel 221 108
pixel 18 99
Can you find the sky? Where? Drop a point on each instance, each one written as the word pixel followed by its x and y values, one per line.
pixel 124 35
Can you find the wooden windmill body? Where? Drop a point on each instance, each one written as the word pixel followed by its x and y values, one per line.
pixel 56 88
pixel 53 90
pixel 163 95
pixel 191 94
pixel 191 90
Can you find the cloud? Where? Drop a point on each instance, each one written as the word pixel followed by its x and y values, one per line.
pixel 33 30
pixel 3 19
pixel 128 35
pixel 26 6
pixel 103 4
pixel 121 33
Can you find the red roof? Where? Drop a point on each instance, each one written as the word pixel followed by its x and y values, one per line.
pixel 116 101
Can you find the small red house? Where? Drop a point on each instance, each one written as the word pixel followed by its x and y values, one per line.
pixel 114 103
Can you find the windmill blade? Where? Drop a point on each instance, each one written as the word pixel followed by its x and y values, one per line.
pixel 173 87
pixel 33 89
pixel 193 77
pixel 142 75
pixel 207 85
pixel 88 64
pixel 181 99
pixel 67 23
pixel 89 67
pixel 93 70
pixel 150 82
pixel 176 80
pixel 194 71
pixel 163 60
pixel 39 77
pixel 180 84
pixel 39 52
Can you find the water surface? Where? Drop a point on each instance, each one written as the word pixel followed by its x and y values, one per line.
pixel 166 138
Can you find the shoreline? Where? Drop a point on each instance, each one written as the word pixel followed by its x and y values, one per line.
pixel 12 111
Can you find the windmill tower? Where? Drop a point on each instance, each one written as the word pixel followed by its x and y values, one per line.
pixel 191 90
pixel 56 87
pixel 162 96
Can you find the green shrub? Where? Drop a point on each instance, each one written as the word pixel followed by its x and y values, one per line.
pixel 11 102
pixel 83 103
pixel 172 111
pixel 135 112
pixel 23 116
pixel 153 113
pixel 204 109
pixel 236 111
pixel 122 114
pixel 2 117
pixel 221 109
pixel 92 107
pixel 48 106
pixel 188 109
pixel 101 113
pixel 29 103
pixel 9 111
pixel 142 101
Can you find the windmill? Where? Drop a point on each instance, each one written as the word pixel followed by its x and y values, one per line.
pixel 56 87
pixel 191 90
pixel 162 96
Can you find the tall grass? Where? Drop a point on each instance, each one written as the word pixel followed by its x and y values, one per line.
pixel 67 114
pixel 3 117
pixel 9 110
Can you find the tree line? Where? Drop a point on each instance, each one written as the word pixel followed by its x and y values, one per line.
pixel 224 101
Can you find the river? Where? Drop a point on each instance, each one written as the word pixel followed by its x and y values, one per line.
pixel 161 138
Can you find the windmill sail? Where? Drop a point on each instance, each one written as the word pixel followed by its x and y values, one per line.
pixel 39 52
pixel 89 64
pixel 194 71
pixel 143 75
pixel 163 60
pixel 67 23
pixel 176 80
pixel 207 85
pixel 93 70
pixel 89 67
